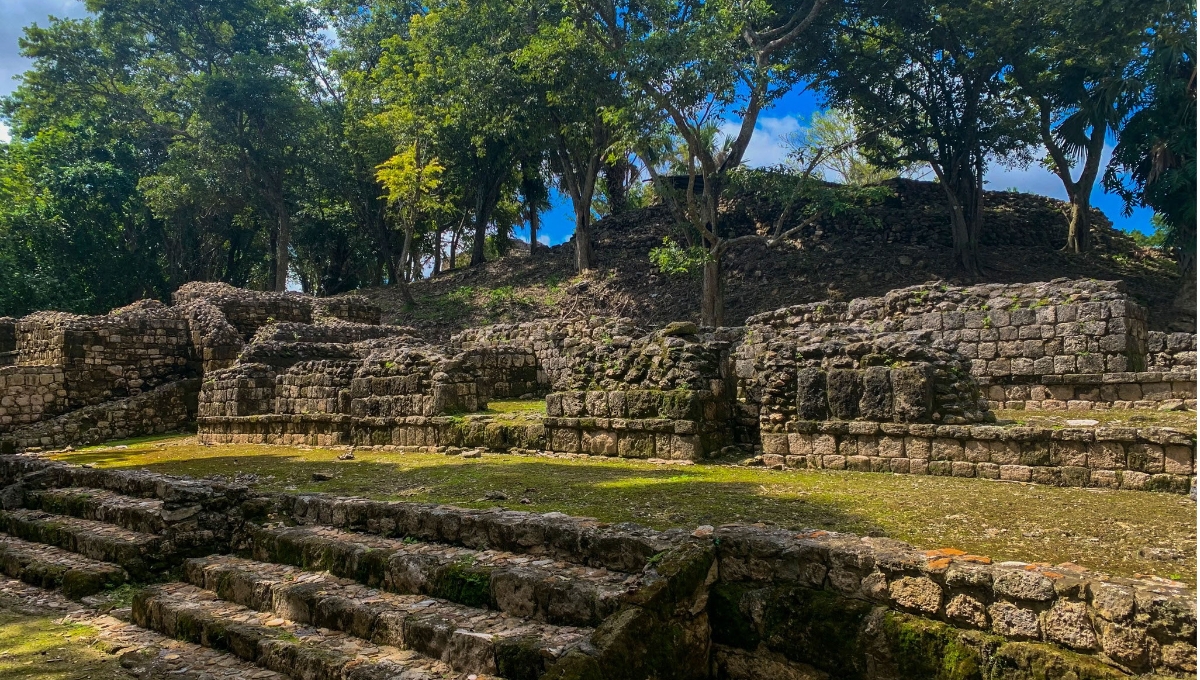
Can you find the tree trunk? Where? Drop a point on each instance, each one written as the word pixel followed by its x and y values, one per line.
pixel 1079 231
pixel 712 303
pixel 483 214
pixel 454 249
pixel 282 243
pixel 964 194
pixel 437 254
pixel 405 294
pixel 533 229
pixel 616 175
pixel 583 241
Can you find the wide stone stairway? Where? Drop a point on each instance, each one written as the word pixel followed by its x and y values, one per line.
pixel 315 589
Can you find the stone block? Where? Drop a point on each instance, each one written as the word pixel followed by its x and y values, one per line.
pixel 824 445
pixel 1106 455
pixel 918 466
pixel 1179 460
pixel 1016 473
pixel 891 447
pixel 800 444
pixel 899 466
pixel 917 447
pixel 912 393
pixel 811 401
pixel 635 444
pixel 1146 458
pixel 833 462
pixel 1067 623
pixel 876 400
pixel 599 442
pixel 1014 622
pixel 858 463
pixel 775 443
pixel 1069 453
pixel 947 449
pixel 845 392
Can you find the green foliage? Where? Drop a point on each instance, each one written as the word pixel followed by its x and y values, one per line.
pixel 675 260
pixel 1154 163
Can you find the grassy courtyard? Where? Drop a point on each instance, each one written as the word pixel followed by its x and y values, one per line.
pixel 1120 532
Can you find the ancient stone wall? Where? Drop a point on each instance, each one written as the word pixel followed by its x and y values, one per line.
pixel 167 408
pixel 1151 458
pixel 106 357
pixel 1170 351
pixel 30 393
pixel 787 604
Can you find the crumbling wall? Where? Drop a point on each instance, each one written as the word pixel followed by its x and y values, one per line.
pixel 166 408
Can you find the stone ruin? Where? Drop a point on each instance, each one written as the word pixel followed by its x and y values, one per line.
pixel 903 383
pixel 317 587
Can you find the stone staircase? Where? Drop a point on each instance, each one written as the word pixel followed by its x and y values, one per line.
pixel 374 591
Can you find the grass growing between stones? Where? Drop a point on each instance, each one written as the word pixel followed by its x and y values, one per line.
pixel 1120 532
pixel 1184 421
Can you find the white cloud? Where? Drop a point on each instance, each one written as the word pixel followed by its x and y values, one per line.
pixel 4 136
pixel 767 146
pixel 544 240
pixel 1035 179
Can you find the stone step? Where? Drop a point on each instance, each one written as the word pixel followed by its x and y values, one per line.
pixel 142 555
pixel 185 612
pixel 468 639
pixel 54 568
pixel 523 586
pixel 136 514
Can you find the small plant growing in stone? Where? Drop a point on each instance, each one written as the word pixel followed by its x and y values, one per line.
pixel 987 321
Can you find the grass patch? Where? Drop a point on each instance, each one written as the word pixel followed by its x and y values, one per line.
pixel 1100 529
pixel 37 647
pixel 516 407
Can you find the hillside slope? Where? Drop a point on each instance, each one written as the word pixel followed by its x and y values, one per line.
pixel 906 243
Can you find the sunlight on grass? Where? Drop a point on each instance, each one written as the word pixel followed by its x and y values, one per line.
pixel 516 406
pixel 37 647
pixel 1101 529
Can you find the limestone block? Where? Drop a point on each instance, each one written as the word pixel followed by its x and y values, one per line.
pixel 876 400
pixel 1012 621
pixel 811 401
pixel 965 609
pixel 916 593
pixel 1179 460
pixel 917 447
pixel 800 444
pixel 845 392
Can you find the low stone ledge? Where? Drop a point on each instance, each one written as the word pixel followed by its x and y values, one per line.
pixel 1151 459
pixel 1140 625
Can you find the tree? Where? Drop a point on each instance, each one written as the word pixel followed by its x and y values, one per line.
pixel 412 179
pixel 926 73
pixel 454 75
pixel 535 197
pixel 835 136
pixel 1154 164
pixel 1073 60
pixel 692 62
pixel 218 85
pixel 579 94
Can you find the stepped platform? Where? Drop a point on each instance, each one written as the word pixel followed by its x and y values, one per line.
pixel 57 569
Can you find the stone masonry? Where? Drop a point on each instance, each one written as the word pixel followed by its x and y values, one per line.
pixel 320 587
pixel 903 383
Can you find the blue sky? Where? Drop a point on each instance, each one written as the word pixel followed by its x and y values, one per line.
pixel 790 113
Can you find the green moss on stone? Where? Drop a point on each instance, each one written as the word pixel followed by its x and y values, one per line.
pixel 929 650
